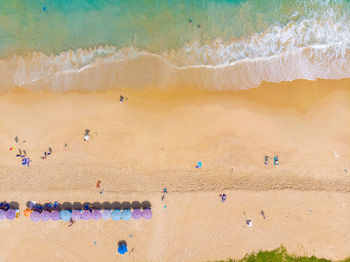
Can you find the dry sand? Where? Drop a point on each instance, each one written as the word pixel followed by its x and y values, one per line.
pixel 154 140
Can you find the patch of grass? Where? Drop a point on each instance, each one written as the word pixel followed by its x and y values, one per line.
pixel 278 255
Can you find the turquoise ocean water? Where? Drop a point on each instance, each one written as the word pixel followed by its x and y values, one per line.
pixel 234 43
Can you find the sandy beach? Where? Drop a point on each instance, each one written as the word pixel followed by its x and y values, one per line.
pixel 153 141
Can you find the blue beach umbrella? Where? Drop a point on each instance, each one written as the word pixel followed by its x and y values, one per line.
pixel 106 214
pixel 115 215
pixel 122 249
pixel 126 215
pixel 2 214
pixel 65 215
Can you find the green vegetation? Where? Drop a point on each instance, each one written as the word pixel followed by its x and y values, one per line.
pixel 278 255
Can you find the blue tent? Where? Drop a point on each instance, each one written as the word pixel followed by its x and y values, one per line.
pixel 126 214
pixel 65 215
pixel 122 249
pixel 115 215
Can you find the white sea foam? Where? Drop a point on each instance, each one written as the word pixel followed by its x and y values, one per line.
pixel 317 47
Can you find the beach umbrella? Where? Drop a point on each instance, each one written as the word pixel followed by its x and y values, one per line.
pixel 55 215
pixel 65 215
pixel 38 207
pixel 45 216
pixel 136 214
pixel 11 214
pixel 35 216
pixel 147 214
pixel 2 214
pixel 106 214
pixel 27 212
pixel 76 215
pixel 126 215
pixel 122 249
pixel 115 215
pixel 31 204
pixel 96 214
pixel 7 206
pixel 86 215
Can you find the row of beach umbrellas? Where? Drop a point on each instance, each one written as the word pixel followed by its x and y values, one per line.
pixel 9 214
pixel 76 215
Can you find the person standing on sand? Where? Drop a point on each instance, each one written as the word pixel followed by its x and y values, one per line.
pixel 86 135
pixel 223 197
pixel 165 192
pixel 71 222
pixel 262 214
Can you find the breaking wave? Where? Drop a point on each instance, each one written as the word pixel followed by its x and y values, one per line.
pixel 317 47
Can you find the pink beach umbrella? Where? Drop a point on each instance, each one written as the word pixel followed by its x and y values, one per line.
pixel 136 214
pixel 2 214
pixel 45 216
pixel 10 214
pixel 55 215
pixel 76 215
pixel 96 214
pixel 106 214
pixel 35 216
pixel 147 214
pixel 86 215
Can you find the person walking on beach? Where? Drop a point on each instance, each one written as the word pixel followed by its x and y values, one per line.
pixel 262 214
pixel 223 197
pixel 248 221
pixel 71 222
pixel 165 192
pixel 86 135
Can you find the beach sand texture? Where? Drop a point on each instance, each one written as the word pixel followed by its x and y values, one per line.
pixel 153 141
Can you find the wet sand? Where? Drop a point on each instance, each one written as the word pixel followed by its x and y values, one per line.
pixel 152 141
